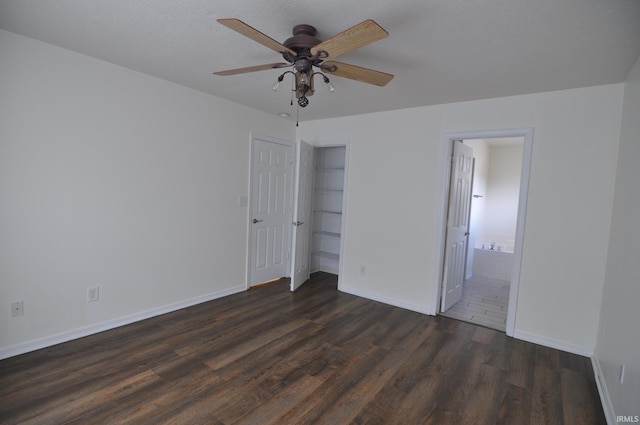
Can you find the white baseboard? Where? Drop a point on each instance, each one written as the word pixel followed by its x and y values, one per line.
pixel 391 301
pixel 325 269
pixel 553 343
pixel 49 341
pixel 526 336
pixel 605 397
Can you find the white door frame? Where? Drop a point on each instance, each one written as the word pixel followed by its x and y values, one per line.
pixel 527 134
pixel 347 146
pixel 292 146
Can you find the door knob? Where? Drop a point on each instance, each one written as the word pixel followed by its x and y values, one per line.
pixel 298 223
pixel 255 220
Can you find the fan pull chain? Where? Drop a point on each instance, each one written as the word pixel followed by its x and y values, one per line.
pixel 293 88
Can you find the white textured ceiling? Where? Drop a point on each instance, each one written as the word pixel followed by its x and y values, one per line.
pixel 440 51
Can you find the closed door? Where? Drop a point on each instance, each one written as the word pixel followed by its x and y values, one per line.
pixel 271 218
pixel 457 224
pixel 302 220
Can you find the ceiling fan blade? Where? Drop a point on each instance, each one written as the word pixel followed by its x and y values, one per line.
pixel 358 73
pixel 248 31
pixel 253 68
pixel 364 33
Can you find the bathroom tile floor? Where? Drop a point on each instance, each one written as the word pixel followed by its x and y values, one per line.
pixel 484 302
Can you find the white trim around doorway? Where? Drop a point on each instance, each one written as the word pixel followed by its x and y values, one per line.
pixel 347 145
pixel 527 134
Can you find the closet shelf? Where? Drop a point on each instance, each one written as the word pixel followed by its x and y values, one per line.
pixel 328 189
pixel 327 197
pixel 329 255
pixel 330 234
pixel 327 212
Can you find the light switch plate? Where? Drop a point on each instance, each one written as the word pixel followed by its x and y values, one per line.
pixel 17 308
pixel 93 294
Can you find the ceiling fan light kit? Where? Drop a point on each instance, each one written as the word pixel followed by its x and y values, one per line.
pixel 303 51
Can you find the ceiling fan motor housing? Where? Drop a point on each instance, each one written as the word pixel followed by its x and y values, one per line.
pixel 304 38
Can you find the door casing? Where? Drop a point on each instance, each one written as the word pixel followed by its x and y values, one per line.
pixel 347 145
pixel 527 134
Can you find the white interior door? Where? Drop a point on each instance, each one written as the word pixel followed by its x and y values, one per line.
pixel 271 190
pixel 302 213
pixel 457 224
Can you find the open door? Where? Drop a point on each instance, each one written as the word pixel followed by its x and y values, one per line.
pixel 457 236
pixel 302 216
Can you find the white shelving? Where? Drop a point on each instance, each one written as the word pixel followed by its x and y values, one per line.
pixel 327 208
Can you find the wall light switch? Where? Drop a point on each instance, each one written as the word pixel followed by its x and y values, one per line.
pixel 243 201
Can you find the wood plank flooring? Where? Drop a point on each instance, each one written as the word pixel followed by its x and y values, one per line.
pixel 317 356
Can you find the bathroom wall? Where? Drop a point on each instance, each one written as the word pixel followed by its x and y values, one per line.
pixel 497 181
pixel 494 209
pixel 503 190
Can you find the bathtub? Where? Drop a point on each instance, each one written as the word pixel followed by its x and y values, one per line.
pixel 492 264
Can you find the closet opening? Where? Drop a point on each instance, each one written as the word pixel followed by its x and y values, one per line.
pixel 328 206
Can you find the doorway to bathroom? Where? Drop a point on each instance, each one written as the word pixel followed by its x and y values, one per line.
pixel 484 227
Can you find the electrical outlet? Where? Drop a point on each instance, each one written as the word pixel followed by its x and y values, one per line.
pixel 17 308
pixel 93 294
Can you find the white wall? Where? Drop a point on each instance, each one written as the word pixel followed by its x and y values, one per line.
pixel 496 179
pixel 391 203
pixel 502 195
pixel 396 179
pixel 114 178
pixel 619 336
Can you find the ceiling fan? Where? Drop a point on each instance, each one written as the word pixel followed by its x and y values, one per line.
pixel 304 51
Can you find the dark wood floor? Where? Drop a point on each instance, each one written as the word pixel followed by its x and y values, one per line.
pixel 317 356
